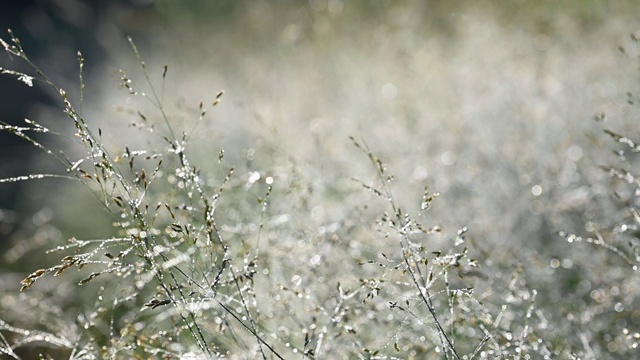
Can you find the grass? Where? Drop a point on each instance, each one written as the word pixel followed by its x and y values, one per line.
pixel 251 258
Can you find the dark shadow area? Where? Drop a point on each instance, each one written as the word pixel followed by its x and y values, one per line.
pixel 51 32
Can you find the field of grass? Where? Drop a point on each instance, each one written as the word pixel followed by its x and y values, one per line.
pixel 337 180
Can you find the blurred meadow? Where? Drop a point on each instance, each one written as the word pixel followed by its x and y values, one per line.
pixel 482 102
pixel 490 104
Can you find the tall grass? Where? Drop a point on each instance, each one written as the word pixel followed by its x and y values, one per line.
pixel 218 259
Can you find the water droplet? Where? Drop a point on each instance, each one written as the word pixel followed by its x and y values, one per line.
pixel 536 190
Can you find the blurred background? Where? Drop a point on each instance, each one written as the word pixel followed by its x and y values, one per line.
pixel 52 32
pixel 489 103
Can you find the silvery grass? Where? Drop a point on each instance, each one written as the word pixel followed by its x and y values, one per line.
pixel 198 267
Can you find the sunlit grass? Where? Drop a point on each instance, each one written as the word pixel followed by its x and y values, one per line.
pixel 281 237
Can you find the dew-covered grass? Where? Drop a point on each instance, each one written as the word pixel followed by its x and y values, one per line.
pixel 358 185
